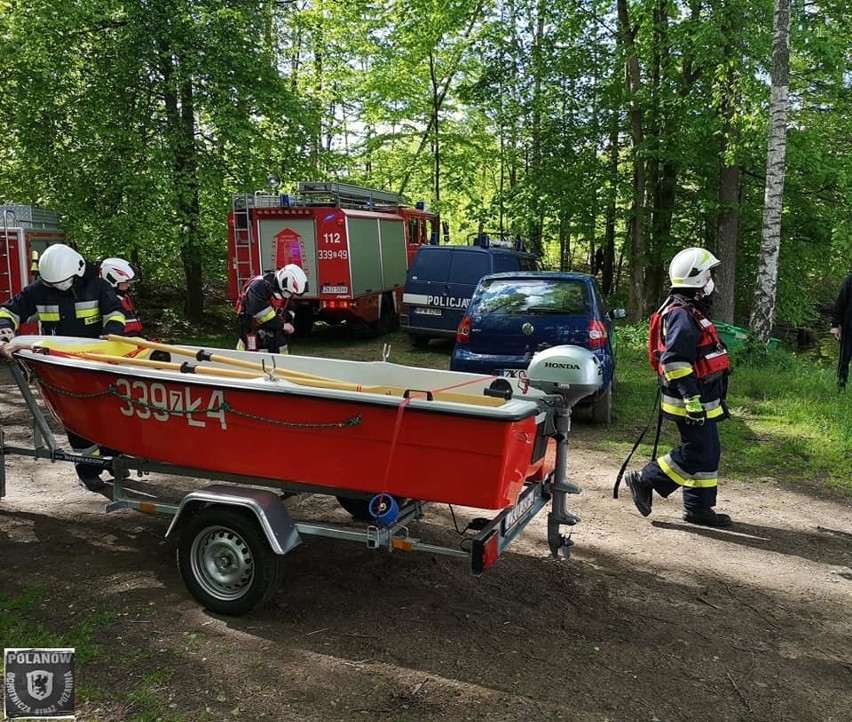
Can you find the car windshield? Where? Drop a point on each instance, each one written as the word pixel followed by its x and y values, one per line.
pixel 530 296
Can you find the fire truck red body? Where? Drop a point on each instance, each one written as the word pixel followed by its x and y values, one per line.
pixel 24 234
pixel 354 244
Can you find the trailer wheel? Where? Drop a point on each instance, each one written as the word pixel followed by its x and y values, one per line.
pixel 226 562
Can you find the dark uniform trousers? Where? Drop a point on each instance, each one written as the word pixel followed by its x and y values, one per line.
pixel 695 461
pixel 82 445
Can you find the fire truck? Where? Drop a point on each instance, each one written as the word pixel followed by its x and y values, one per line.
pixel 355 245
pixel 25 232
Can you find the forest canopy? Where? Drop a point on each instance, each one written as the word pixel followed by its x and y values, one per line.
pixel 576 123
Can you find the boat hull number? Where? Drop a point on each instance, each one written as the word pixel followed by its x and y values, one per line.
pixel 147 400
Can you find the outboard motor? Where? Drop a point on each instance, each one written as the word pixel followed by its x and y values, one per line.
pixel 566 374
pixel 568 371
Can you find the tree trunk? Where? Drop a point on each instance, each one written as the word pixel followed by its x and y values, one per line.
pixel 608 275
pixel 436 140
pixel 180 114
pixel 189 207
pixel 728 219
pixel 636 295
pixel 728 229
pixel 763 308
pixel 656 274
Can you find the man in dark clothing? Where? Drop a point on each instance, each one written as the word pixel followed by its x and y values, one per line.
pixel 693 367
pixel 69 299
pixel 262 309
pixel 841 329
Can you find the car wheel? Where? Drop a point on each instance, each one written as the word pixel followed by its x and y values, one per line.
pixel 602 408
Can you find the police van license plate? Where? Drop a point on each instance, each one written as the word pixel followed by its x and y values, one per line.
pixel 428 311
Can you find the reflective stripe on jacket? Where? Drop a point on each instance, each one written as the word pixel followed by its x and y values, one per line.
pixel 711 357
pixel 88 309
pixel 261 303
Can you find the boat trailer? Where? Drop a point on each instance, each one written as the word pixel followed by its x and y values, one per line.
pixel 232 535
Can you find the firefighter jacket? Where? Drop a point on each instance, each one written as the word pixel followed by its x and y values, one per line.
pixel 132 324
pixel 692 360
pixel 262 305
pixel 88 309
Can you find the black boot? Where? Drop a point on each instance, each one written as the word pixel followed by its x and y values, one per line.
pixel 706 516
pixel 92 482
pixel 640 490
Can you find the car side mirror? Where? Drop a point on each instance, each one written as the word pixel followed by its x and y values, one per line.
pixel 617 313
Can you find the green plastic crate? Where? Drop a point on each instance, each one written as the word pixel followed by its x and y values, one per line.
pixel 735 337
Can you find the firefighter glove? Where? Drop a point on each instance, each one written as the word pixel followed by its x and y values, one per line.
pixel 695 413
pixel 6 335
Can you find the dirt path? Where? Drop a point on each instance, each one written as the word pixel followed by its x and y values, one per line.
pixel 649 620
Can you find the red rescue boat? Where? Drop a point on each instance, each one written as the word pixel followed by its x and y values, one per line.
pixel 372 427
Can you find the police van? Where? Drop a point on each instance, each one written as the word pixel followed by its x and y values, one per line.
pixel 441 281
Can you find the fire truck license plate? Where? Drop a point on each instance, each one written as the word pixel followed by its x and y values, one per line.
pixel 429 311
pixel 335 289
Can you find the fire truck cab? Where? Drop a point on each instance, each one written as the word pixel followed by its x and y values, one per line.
pixel 355 245
pixel 25 231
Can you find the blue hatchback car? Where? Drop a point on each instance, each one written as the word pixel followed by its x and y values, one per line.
pixel 513 315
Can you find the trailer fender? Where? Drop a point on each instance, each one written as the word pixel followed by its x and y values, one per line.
pixel 274 521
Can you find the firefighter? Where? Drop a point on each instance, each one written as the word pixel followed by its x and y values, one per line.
pixel 693 366
pixel 69 299
pixel 119 274
pixel 262 309
pixel 841 329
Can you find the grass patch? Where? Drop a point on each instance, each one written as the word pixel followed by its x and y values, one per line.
pixel 21 625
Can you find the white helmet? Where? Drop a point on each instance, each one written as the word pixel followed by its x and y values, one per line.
pixel 117 270
pixel 292 278
pixel 59 263
pixel 688 268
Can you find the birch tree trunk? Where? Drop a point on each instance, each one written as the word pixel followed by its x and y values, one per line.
pixel 763 306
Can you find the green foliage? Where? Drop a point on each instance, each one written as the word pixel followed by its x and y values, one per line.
pixel 137 122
